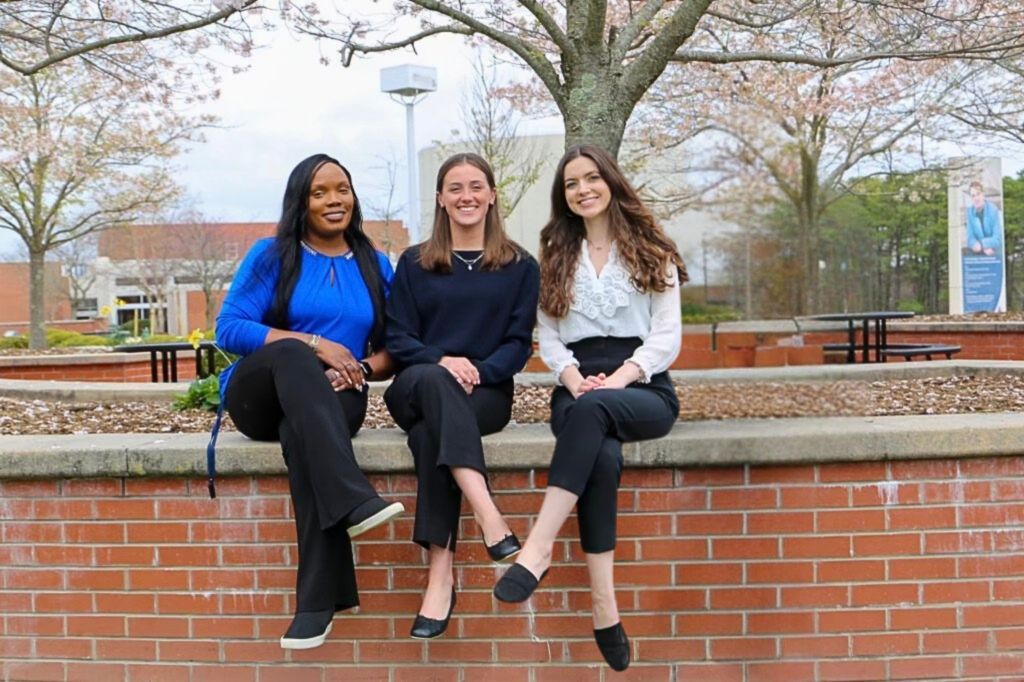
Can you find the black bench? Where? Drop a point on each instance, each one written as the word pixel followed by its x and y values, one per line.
pixel 169 357
pixel 908 351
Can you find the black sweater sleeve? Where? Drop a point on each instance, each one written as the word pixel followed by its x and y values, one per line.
pixel 402 332
pixel 517 345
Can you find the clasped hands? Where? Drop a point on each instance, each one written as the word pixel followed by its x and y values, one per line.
pixel 579 384
pixel 343 370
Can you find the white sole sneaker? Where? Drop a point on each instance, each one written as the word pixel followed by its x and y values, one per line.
pixel 311 643
pixel 383 516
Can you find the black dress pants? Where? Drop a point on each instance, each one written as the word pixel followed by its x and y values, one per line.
pixel 280 392
pixel 589 433
pixel 444 425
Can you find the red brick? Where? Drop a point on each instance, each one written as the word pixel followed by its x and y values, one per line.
pixel 224 673
pixel 891 544
pixel 868 645
pixel 671 549
pixel 992 515
pixel 744 598
pixel 993 664
pixel 93 487
pixel 153 487
pixel 922 517
pixel 889 593
pixel 647 478
pixel 847 671
pixel 776 572
pixel 157 627
pixel 664 500
pixel 130 555
pixel 923 619
pixel 63 555
pixel 958 542
pixel 43 626
pixel 779 672
pixel 187 604
pixel 390 651
pixel 955 642
pixel 992 616
pixel 959 591
pixel 96 672
pixel 30 488
pixel 814 595
pixel 781 475
pixel 32 533
pixel 745 548
pixel 921 667
pixel 922 569
pixel 811 547
pixel 814 497
pixel 990 566
pixel 190 555
pixel 851 621
pixel 712 477
pixel 89 580
pixel 32 578
pixel 776 523
pixel 189 650
pixel 744 498
pixel 113 602
pixel 708 574
pixel 495 674
pixel 94 533
pixel 158 579
pixel 124 509
pixel 32 672
pixel 96 626
pixel 782 622
pixel 855 520
pixel 705 525
pixel 744 648
pixel 158 532
pixel 858 471
pixel 525 652
pixel 815 647
pixel 125 649
pixel 235 628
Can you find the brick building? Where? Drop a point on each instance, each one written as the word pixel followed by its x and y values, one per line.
pixel 162 273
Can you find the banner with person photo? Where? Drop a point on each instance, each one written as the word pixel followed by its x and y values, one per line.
pixel 977 260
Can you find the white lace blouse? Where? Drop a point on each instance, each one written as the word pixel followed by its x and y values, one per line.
pixel 607 304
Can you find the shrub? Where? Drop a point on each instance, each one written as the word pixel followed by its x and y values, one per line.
pixel 203 394
pixel 698 313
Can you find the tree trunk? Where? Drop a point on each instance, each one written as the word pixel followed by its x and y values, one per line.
pixel 36 299
pixel 593 116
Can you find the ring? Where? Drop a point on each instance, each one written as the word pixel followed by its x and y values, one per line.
pixel 337 375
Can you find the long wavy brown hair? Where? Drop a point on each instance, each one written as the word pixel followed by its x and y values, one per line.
pixel 644 249
pixel 499 249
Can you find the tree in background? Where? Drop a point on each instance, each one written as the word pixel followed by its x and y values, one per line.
pixel 490 127
pixel 80 152
pixel 595 60
pixel 76 260
pixel 387 209
pixel 127 39
pixel 207 256
pixel 1013 222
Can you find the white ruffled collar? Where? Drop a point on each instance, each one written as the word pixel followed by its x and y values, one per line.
pixel 601 294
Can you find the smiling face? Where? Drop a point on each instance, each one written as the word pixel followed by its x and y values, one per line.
pixel 978 197
pixel 466 196
pixel 331 202
pixel 586 192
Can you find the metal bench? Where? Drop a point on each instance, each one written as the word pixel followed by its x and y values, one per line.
pixel 169 357
pixel 909 351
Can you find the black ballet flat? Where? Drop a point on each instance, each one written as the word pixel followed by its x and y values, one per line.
pixel 614 646
pixel 430 628
pixel 505 548
pixel 517 584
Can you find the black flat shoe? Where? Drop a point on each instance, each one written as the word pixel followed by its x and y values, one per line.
pixel 370 514
pixel 505 548
pixel 308 630
pixel 614 646
pixel 429 628
pixel 517 584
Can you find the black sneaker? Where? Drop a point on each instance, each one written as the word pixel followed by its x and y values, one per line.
pixel 370 514
pixel 309 629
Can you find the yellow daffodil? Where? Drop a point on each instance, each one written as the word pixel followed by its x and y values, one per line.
pixel 119 302
pixel 195 337
pixel 105 310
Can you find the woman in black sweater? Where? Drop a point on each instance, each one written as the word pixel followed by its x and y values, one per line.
pixel 460 326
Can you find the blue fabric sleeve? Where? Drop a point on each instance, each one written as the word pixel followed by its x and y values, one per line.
pixel 240 327
pixel 386 272
pixel 402 331
pixel 516 348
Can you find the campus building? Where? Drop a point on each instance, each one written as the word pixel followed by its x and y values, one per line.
pixel 171 278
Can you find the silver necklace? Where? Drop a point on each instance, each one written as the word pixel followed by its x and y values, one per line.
pixel 469 263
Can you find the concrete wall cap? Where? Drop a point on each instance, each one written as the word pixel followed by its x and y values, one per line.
pixel 519 447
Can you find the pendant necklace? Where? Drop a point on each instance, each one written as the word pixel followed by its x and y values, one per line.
pixel 469 263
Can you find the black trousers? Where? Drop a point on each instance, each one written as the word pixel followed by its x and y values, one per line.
pixel 444 425
pixel 280 392
pixel 589 433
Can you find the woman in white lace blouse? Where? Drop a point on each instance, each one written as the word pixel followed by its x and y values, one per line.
pixel 609 328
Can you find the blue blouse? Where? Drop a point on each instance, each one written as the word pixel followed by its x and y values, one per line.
pixel 330 299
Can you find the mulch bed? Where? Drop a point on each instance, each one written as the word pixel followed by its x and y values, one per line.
pixel 947 395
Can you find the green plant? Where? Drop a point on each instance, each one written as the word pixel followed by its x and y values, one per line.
pixel 699 313
pixel 14 342
pixel 203 394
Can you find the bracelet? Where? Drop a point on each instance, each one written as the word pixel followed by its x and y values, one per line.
pixel 365 366
pixel 643 375
pixel 314 342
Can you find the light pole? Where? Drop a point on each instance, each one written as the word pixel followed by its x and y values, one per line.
pixel 408 85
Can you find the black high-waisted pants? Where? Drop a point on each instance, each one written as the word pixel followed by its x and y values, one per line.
pixel 444 425
pixel 280 392
pixel 589 433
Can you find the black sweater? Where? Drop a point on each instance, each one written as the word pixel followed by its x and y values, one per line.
pixel 486 316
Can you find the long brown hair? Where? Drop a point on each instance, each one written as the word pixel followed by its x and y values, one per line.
pixel 644 249
pixel 499 250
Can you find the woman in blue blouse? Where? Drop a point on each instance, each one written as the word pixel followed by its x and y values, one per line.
pixel 306 310
pixel 460 325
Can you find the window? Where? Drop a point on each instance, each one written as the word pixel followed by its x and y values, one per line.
pixel 85 308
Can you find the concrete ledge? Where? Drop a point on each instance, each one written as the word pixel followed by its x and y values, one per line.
pixel 72 359
pixel 691 444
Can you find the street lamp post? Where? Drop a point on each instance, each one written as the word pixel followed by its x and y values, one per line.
pixel 408 85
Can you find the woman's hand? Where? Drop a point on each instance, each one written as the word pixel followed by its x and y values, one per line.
pixel 463 370
pixel 338 381
pixel 622 377
pixel 343 366
pixel 589 384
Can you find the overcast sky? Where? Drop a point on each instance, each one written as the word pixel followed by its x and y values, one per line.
pixel 287 105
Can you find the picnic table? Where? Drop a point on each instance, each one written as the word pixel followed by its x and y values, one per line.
pixel 878 319
pixel 169 357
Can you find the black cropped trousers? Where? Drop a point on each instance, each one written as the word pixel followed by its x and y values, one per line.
pixel 444 426
pixel 589 433
pixel 280 392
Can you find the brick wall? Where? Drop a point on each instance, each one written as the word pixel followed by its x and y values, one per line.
pixel 134 369
pixel 908 570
